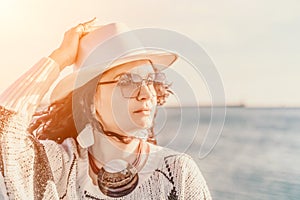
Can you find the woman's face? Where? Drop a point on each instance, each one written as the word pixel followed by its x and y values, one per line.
pixel 122 114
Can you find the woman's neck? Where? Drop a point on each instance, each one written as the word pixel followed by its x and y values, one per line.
pixel 107 148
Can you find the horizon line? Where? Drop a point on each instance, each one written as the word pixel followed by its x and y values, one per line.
pixel 234 106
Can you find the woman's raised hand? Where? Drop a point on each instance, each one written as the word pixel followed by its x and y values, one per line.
pixel 66 53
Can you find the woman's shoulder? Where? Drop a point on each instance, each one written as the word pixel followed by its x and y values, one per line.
pixel 65 151
pixel 163 157
pixel 169 154
pixel 182 172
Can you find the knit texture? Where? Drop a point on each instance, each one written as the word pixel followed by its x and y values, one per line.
pixel 24 164
pixel 33 169
pixel 47 170
pixel 173 175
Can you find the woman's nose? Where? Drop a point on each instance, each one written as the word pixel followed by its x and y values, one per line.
pixel 144 93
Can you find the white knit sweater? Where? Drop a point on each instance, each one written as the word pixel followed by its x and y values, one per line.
pixel 32 169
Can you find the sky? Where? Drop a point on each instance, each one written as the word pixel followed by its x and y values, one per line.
pixel 254 45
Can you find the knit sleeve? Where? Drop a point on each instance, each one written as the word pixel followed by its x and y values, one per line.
pixel 23 161
pixel 63 162
pixel 25 94
pixel 185 181
pixel 193 183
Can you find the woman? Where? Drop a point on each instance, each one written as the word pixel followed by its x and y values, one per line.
pixel 98 121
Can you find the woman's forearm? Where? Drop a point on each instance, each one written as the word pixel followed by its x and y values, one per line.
pixel 25 94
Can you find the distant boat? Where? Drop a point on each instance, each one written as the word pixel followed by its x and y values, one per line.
pixel 241 105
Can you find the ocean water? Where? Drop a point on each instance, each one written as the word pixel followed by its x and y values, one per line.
pixel 257 155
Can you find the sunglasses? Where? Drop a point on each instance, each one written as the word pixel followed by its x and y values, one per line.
pixel 130 84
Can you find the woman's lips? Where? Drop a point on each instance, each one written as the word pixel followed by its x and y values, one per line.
pixel 145 111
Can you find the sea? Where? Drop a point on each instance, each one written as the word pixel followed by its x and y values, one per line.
pixel 243 153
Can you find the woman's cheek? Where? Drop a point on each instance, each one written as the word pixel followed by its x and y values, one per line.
pixel 121 112
pixel 153 108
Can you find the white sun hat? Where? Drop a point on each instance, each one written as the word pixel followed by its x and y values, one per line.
pixel 105 48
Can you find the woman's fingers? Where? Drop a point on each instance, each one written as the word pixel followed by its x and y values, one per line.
pixel 66 54
pixel 90 29
pixel 86 27
pixel 90 22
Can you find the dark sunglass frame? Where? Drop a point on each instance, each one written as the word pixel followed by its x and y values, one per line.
pixel 162 88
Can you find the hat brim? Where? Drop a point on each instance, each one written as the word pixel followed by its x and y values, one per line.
pixel 80 77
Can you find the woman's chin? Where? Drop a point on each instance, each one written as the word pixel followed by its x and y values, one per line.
pixel 143 122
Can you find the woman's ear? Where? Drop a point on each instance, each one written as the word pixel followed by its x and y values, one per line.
pixel 86 137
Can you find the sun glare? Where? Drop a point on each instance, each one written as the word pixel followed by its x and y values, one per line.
pixel 8 8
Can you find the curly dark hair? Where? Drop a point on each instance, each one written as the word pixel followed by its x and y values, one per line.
pixel 57 121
